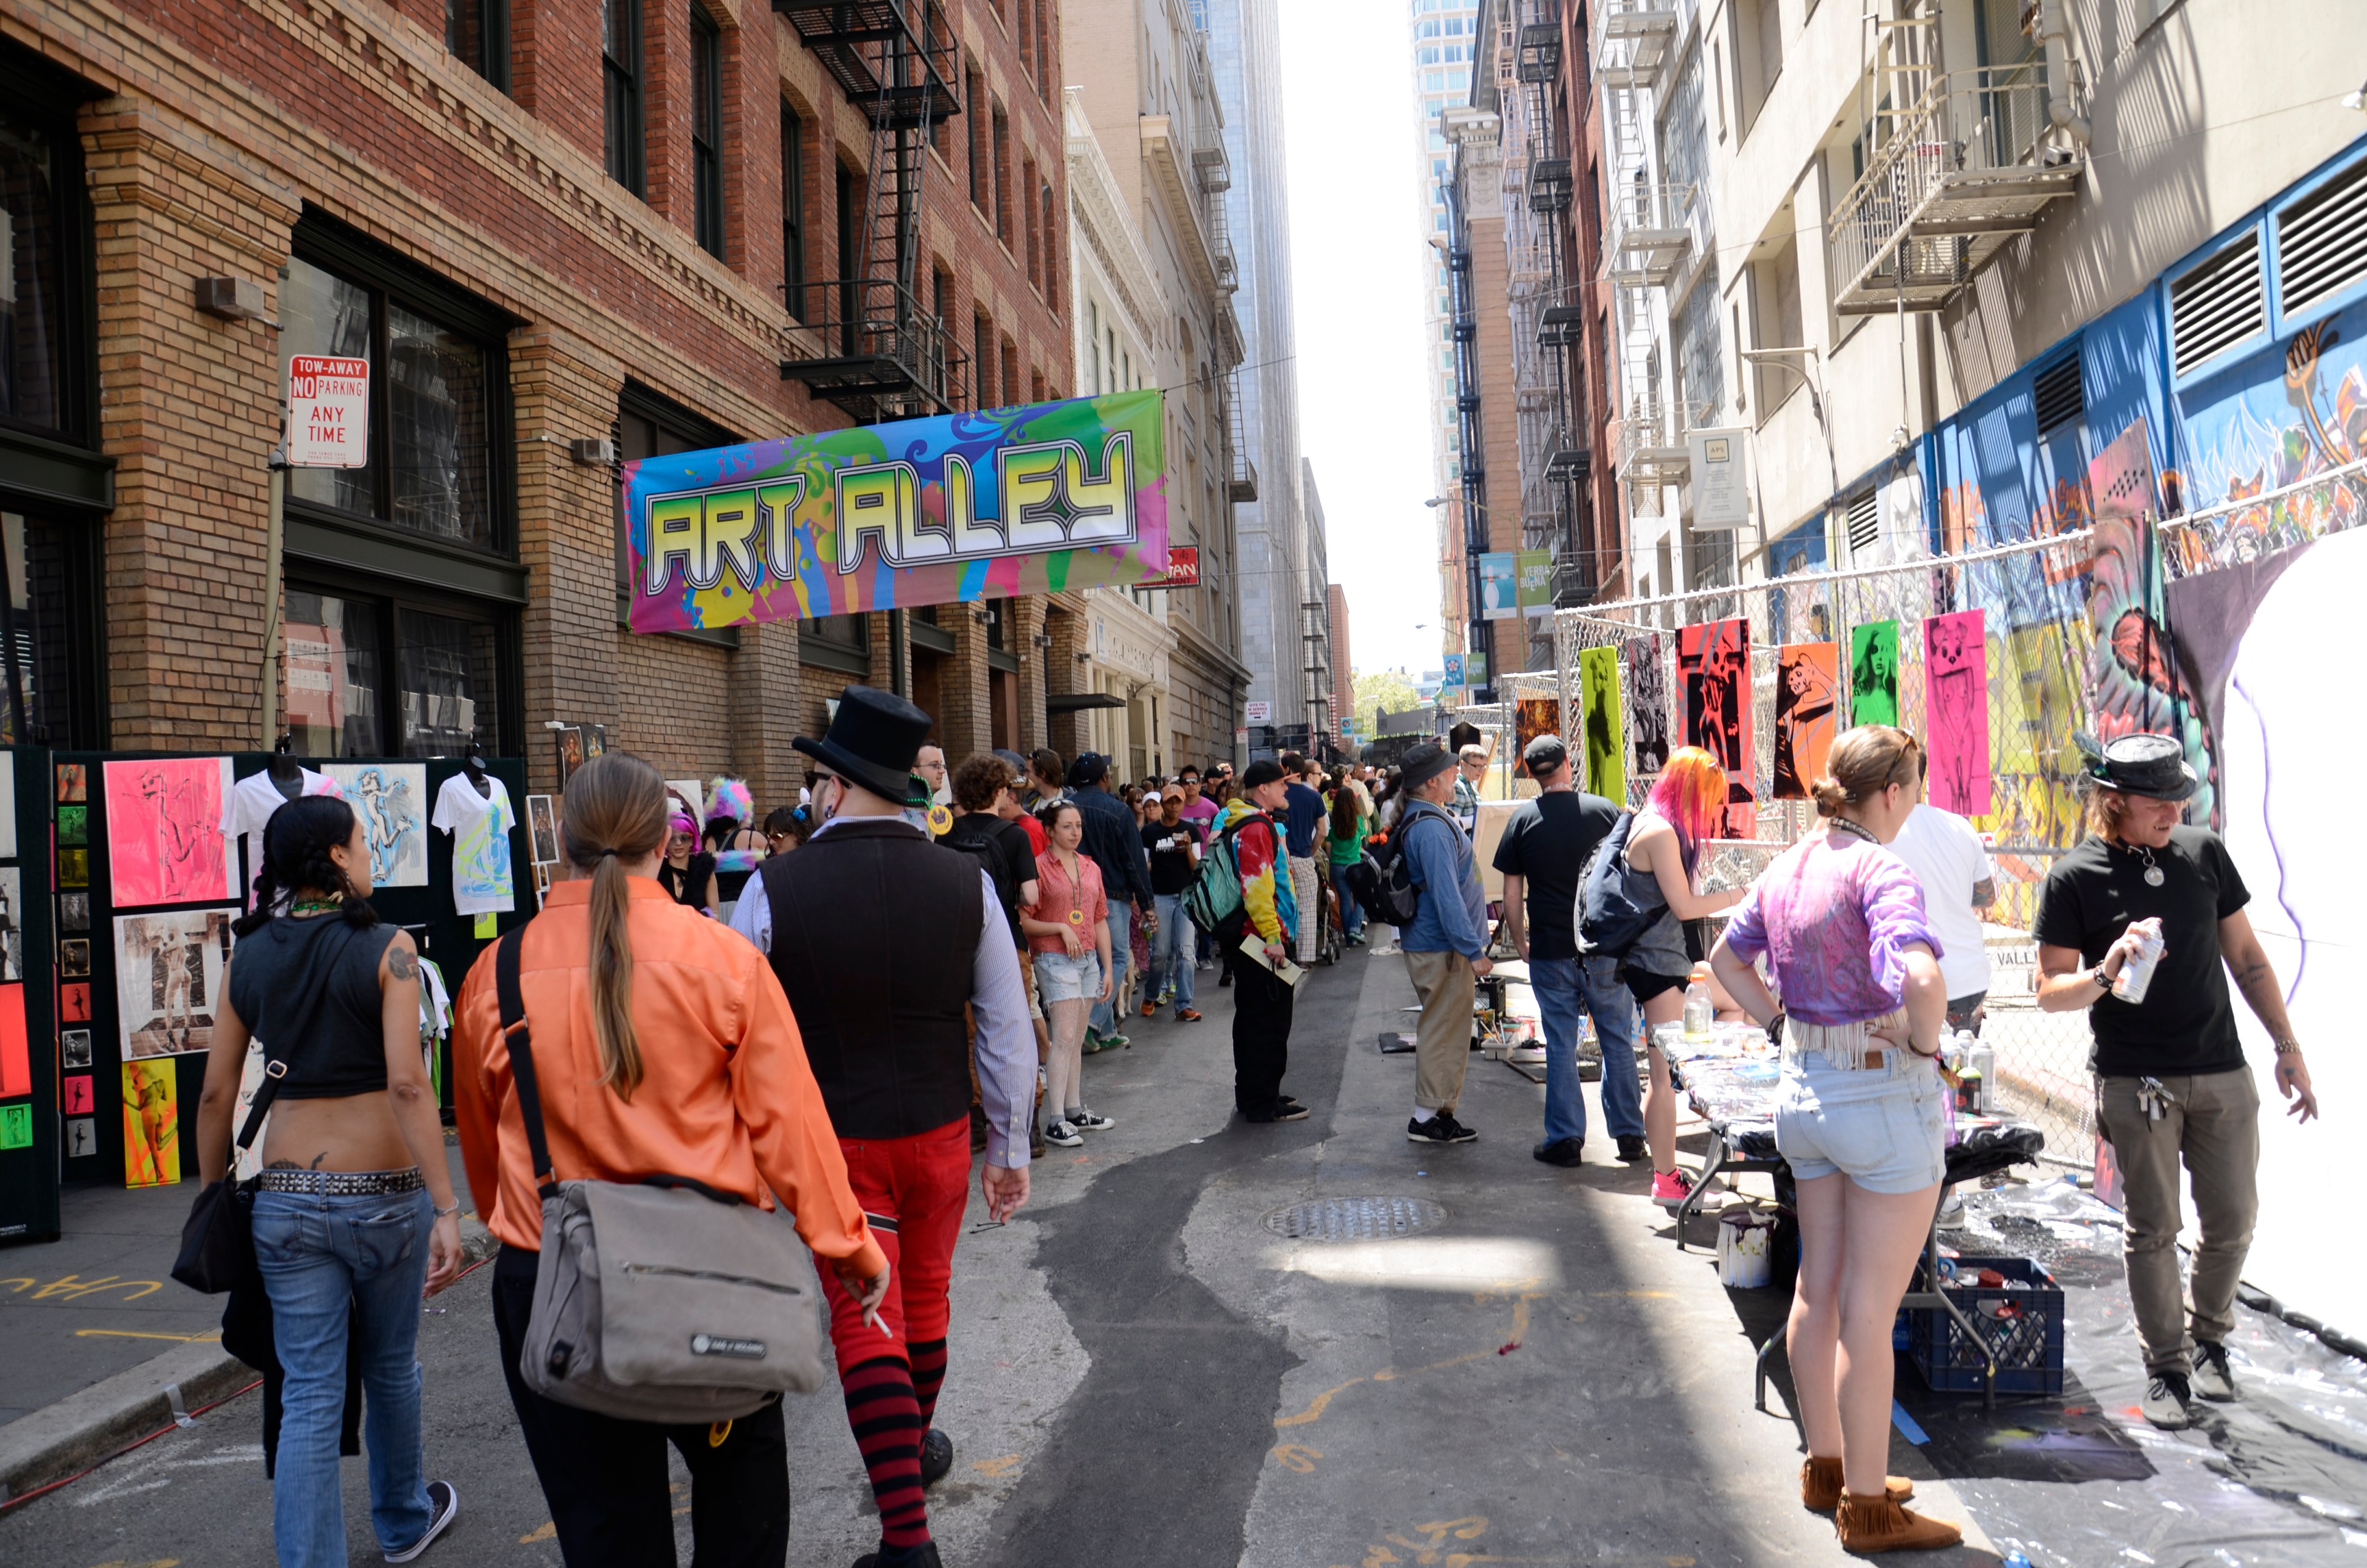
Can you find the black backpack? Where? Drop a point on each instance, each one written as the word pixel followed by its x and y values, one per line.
pixel 1609 922
pixel 1383 880
pixel 982 848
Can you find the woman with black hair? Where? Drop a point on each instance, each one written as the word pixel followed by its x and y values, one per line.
pixel 355 1216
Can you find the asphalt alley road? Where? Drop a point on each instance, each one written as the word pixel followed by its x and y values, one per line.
pixel 1145 1373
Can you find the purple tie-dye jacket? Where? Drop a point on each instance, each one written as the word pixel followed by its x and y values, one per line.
pixel 1834 913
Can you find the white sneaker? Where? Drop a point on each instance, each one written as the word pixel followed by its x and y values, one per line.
pixel 1952 1213
pixel 443 1504
pixel 1063 1133
pixel 1086 1120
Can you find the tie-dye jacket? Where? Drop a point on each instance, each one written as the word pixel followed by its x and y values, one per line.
pixel 1272 908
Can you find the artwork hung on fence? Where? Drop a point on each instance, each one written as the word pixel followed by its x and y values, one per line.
pixel 1647 703
pixel 390 798
pixel 1873 672
pixel 151 1125
pixel 1714 668
pixel 1957 711
pixel 168 972
pixel 1604 736
pixel 1807 710
pixel 1534 716
pixel 167 830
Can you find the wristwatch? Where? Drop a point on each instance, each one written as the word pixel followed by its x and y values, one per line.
pixel 2103 982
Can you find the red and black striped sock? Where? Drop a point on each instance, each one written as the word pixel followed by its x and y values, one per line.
pixel 928 1376
pixel 886 1423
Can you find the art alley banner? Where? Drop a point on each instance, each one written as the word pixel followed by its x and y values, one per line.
pixel 1031 500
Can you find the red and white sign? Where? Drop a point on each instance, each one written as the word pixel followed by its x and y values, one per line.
pixel 1258 712
pixel 328 411
pixel 1182 568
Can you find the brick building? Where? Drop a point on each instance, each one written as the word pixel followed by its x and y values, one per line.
pixel 541 234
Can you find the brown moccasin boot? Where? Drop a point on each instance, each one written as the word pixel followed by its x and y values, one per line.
pixel 1879 1524
pixel 1820 1485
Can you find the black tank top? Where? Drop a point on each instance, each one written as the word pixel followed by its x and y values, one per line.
pixel 688 886
pixel 272 971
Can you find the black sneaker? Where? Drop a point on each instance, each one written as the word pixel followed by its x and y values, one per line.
pixel 936 1457
pixel 1562 1151
pixel 922 1556
pixel 2167 1402
pixel 1288 1110
pixel 2213 1379
pixel 1441 1127
pixel 443 1504
pixel 1633 1148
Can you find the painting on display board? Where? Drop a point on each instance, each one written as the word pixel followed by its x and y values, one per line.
pixel 9 814
pixel 1956 711
pixel 1807 709
pixel 1647 703
pixel 567 743
pixel 73 783
pixel 390 798
pixel 1602 737
pixel 16 1049
pixel 1531 717
pixel 167 839
pixel 168 971
pixel 542 829
pixel 73 1047
pixel 1873 672
pixel 12 922
pixel 1714 664
pixel 151 1125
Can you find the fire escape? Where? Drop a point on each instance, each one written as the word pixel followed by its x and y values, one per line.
pixel 1547 323
pixel 1645 243
pixel 866 343
pixel 1464 325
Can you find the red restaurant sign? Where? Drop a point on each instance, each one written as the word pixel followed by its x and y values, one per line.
pixel 1182 568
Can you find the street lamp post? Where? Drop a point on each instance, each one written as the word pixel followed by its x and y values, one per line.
pixel 1475 538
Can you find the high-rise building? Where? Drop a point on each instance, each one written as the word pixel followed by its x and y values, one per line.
pixel 1315 623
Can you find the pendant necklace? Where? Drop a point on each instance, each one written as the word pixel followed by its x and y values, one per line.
pixel 1859 829
pixel 2153 874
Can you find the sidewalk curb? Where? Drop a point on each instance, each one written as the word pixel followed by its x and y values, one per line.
pixel 85 1428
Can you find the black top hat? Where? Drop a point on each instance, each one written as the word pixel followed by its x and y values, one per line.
pixel 2153 766
pixel 872 742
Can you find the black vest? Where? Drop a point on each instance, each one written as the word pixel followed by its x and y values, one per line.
pixel 874 934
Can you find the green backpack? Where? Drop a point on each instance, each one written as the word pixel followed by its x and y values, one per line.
pixel 1213 899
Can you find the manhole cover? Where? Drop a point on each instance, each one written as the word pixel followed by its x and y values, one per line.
pixel 1355 1219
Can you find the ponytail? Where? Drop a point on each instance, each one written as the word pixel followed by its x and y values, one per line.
pixel 295 858
pixel 615 811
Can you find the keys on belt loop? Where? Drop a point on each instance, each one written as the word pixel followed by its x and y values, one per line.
pixel 2154 1098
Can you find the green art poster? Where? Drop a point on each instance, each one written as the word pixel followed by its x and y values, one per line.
pixel 1873 672
pixel 1605 734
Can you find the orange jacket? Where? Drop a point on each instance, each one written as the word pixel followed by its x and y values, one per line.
pixel 725 1096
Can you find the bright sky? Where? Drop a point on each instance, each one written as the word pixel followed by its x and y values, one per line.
pixel 1356 262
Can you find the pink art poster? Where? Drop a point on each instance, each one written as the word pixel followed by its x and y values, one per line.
pixel 1956 705
pixel 165 838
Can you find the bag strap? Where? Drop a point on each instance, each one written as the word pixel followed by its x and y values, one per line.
pixel 520 1041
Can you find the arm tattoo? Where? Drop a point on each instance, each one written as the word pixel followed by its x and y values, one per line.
pixel 1984 892
pixel 400 963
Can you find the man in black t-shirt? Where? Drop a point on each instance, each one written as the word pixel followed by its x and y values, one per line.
pixel 2171 1082
pixel 1543 857
pixel 1174 841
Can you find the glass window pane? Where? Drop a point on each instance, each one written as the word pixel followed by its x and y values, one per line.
pixel 332 660
pixel 322 313
pixel 448 684
pixel 29 298
pixel 436 430
pixel 36 595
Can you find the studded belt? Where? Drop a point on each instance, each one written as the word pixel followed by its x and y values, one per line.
pixel 343 1184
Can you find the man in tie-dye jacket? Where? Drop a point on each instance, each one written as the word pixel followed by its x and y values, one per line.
pixel 1261 1001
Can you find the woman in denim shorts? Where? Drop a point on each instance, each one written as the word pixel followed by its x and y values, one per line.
pixel 1858 1116
pixel 1068 931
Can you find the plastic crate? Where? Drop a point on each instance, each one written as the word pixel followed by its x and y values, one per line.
pixel 2028 1345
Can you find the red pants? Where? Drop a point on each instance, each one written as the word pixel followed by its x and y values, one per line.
pixel 914 1191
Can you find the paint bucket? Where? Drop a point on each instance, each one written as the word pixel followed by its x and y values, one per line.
pixel 1744 1242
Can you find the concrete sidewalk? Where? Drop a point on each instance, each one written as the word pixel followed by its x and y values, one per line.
pixel 103 1346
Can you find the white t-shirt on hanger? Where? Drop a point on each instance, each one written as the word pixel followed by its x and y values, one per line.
pixel 480 826
pixel 253 800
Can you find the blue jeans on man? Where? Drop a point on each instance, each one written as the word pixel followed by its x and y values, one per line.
pixel 1566 989
pixel 1104 1021
pixel 1171 951
pixel 326 1260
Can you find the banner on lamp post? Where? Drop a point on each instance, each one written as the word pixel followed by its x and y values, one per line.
pixel 1536 571
pixel 1499 587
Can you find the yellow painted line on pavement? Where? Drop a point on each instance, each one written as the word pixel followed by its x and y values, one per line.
pixel 135 1333
pixel 1001 1466
pixel 549 1531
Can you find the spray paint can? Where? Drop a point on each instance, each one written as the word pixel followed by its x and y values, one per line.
pixel 2136 974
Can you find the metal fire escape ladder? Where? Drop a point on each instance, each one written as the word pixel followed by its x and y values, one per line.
pixel 1553 513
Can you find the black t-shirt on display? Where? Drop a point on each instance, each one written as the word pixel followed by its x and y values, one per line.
pixel 1548 841
pixel 1170 855
pixel 2187 1023
pixel 1004 850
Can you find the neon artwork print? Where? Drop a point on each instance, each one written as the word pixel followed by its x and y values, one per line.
pixel 1040 499
pixel 1956 711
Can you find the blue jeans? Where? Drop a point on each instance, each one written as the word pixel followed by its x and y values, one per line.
pixel 1171 949
pixel 1121 933
pixel 1565 988
pixel 1351 914
pixel 323 1260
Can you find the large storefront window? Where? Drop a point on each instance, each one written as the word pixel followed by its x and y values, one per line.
pixel 32 301
pixel 48 567
pixel 443 660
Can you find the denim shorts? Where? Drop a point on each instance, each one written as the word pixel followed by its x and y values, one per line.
pixel 1064 979
pixel 1883 1128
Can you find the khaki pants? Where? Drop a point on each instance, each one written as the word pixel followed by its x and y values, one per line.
pixel 1441 1048
pixel 1307 891
pixel 2213 1126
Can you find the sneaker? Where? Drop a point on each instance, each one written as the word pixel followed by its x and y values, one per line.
pixel 1115 1041
pixel 1205 964
pixel 1063 1134
pixel 1441 1127
pixel 443 1503
pixel 2168 1401
pixel 1226 978
pixel 2212 1379
pixel 936 1457
pixel 1086 1121
pixel 1151 1007
pixel 1286 1111
pixel 1952 1213
pixel 1633 1148
pixel 1187 1015
pixel 1563 1152
pixel 1670 1188
pixel 922 1556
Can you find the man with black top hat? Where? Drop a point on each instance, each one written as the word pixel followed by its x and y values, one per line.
pixel 881 939
pixel 1250 830
pixel 2172 1085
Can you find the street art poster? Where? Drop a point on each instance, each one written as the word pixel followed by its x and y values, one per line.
pixel 390 798
pixel 1531 717
pixel 168 972
pixel 1500 586
pixel 167 839
pixel 1647 703
pixel 1536 569
pixel 1039 498
pixel 16 1049
pixel 1956 711
pixel 1604 737
pixel 1808 711
pixel 1714 669
pixel 1873 672
pixel 151 1125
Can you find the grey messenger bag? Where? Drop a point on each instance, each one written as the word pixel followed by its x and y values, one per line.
pixel 661 1301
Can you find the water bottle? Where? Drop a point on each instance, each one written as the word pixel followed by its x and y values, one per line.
pixel 1700 1012
pixel 2137 975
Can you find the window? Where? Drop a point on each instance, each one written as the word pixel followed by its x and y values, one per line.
pixel 1002 175
pixel 40 184
pixel 1035 233
pixel 1026 9
pixel 445 658
pixel 435 392
pixel 706 131
pixel 649 425
pixel 1701 357
pixel 850 260
pixel 52 567
pixel 1775 311
pixel 983 359
pixel 974 134
pixel 620 73
pixel 1011 382
pixel 477 33
pixel 1758 26
pixel 793 211
pixel 1051 248
pixel 1094 345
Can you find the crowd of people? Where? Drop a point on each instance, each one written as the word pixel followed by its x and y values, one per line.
pixel 667 1046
